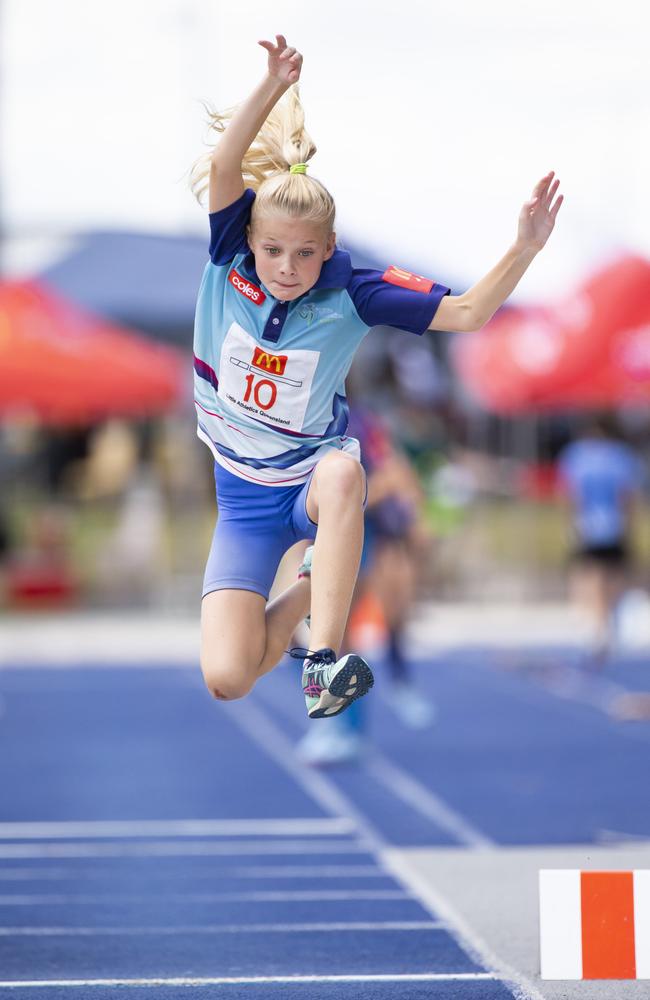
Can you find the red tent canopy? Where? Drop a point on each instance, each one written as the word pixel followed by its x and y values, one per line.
pixel 591 350
pixel 67 366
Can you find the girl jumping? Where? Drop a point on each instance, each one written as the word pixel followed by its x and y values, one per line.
pixel 280 314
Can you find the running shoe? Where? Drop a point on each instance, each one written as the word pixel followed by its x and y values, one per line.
pixel 330 685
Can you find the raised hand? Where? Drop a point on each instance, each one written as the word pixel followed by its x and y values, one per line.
pixel 285 63
pixel 537 217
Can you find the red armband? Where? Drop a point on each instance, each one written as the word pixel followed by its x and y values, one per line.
pixel 406 279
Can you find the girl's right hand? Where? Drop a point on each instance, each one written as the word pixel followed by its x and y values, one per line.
pixel 284 63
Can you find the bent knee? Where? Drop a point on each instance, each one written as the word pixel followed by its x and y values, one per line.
pixel 226 685
pixel 227 690
pixel 342 474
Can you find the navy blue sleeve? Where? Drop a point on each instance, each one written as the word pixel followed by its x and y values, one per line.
pixel 381 303
pixel 228 229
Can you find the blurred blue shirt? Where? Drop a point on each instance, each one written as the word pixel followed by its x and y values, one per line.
pixel 600 475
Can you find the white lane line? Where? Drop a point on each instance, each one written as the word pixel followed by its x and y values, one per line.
pixel 572 684
pixel 252 872
pixel 325 827
pixel 418 797
pixel 313 872
pixel 180 849
pixel 421 799
pixel 398 863
pixel 40 874
pixel 387 925
pixel 416 977
pixel 435 904
pixel 261 730
pixel 299 895
pixel 617 837
pixel 569 683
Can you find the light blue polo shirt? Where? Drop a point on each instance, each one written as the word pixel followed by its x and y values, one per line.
pixel 269 376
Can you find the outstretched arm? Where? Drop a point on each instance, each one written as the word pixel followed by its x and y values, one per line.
pixel 476 306
pixel 226 182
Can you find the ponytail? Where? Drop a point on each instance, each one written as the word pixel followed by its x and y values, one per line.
pixel 281 143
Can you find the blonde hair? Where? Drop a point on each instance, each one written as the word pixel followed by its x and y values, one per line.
pixel 281 143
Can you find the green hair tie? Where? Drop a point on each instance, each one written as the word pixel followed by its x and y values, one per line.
pixel 298 168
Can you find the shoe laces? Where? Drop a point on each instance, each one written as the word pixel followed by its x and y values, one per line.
pixel 315 670
pixel 318 657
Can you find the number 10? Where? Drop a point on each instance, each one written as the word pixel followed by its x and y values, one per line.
pixel 263 383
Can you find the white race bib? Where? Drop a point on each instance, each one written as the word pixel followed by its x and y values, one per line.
pixel 269 385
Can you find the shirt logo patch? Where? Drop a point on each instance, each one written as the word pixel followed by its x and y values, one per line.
pixel 406 279
pixel 246 288
pixel 270 362
pixel 310 312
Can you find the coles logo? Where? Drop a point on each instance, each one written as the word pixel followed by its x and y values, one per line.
pixel 247 288
pixel 275 363
pixel 405 279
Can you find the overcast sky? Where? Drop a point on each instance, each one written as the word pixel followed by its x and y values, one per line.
pixel 433 121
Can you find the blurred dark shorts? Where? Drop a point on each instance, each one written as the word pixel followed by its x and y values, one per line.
pixel 616 556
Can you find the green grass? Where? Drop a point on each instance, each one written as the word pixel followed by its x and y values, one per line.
pixel 522 539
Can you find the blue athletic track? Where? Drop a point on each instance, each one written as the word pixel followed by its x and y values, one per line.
pixel 156 842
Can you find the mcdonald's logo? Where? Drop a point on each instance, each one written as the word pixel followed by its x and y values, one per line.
pixel 275 363
pixel 406 279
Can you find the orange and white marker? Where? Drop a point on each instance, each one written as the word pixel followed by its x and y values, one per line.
pixel 594 925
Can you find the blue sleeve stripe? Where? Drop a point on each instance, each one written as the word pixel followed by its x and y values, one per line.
pixel 228 229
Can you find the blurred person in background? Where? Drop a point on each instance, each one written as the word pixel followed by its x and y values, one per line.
pixel 131 562
pixel 6 544
pixel 601 477
pixel 39 571
pixel 37 530
pixel 397 542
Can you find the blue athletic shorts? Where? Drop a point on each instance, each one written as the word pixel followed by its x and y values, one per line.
pixel 255 527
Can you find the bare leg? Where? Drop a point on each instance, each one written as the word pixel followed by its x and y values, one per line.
pixel 283 614
pixel 601 606
pixel 394 581
pixel 335 502
pixel 243 638
pixel 616 584
pixel 586 594
pixel 233 639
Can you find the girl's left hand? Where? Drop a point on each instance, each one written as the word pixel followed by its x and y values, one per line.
pixel 537 217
